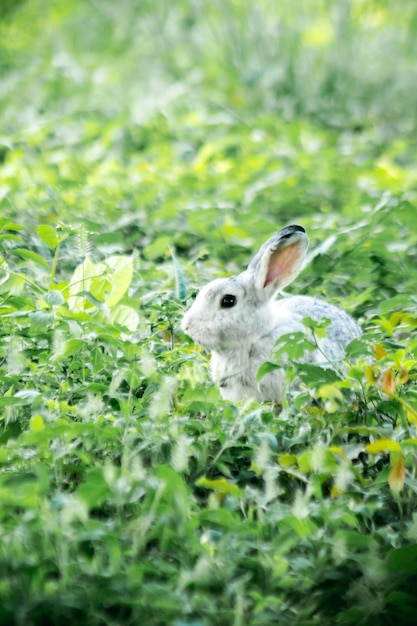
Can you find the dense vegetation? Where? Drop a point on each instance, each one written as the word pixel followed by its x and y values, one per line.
pixel 146 147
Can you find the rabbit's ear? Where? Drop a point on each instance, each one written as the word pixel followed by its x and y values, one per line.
pixel 279 261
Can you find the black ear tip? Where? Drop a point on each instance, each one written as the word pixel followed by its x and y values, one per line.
pixel 289 231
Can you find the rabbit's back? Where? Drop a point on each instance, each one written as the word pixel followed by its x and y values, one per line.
pixel 340 331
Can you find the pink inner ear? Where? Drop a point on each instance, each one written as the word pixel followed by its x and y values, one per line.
pixel 283 263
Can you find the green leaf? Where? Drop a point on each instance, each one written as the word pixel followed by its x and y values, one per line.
pixel 318 326
pixel 21 489
pixel 12 401
pixel 293 345
pixel 403 561
pixel 10 237
pixel 95 489
pixel 48 236
pixel 87 277
pixel 41 320
pixel 219 517
pixel 122 267
pixel 125 316
pixel 356 541
pixel 314 374
pixel 30 256
pixel 266 368
pixel 54 298
pixel 70 347
pixel 13 285
pixel 158 248
pixel 5 224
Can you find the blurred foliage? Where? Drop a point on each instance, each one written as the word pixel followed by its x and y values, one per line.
pixel 146 147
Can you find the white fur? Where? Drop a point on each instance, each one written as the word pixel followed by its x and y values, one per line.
pixel 241 338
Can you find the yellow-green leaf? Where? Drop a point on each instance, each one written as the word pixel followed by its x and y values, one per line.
pixel 411 412
pixel 126 316
pixel 48 235
pixel 122 272
pixel 378 351
pixel 87 277
pixel 329 392
pixel 36 423
pixel 383 445
pixel 371 374
pixel 337 450
pixel 287 460
pixel 218 484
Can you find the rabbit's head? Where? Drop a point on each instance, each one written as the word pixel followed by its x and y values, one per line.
pixel 229 312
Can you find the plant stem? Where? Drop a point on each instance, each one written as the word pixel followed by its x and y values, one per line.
pixel 54 264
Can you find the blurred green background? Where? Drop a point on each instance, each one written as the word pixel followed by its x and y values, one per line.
pixel 174 116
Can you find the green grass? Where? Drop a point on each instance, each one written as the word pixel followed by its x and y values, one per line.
pixel 145 148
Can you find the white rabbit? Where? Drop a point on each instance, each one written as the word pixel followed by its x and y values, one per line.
pixel 239 320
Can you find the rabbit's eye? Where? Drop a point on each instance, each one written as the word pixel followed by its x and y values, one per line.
pixel 228 301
